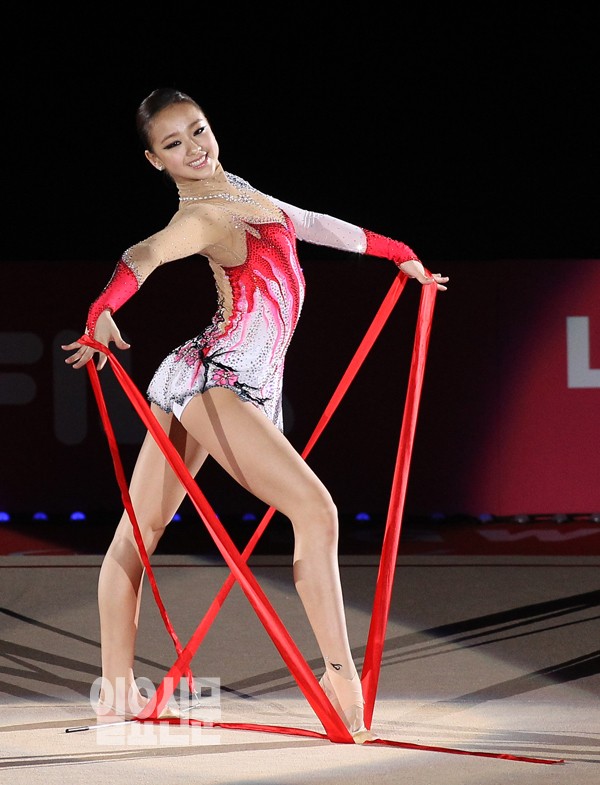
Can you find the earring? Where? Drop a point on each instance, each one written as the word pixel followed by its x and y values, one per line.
pixel 160 167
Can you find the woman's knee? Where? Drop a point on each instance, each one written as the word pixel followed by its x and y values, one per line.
pixel 151 528
pixel 318 517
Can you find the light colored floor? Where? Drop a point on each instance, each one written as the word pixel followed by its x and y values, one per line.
pixel 483 654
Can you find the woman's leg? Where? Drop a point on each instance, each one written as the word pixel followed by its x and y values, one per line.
pixel 262 460
pixel 156 494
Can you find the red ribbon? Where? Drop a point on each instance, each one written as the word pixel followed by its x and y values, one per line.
pixel 387 564
pixel 332 723
pixel 383 742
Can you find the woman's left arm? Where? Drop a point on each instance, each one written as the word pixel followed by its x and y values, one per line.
pixel 323 229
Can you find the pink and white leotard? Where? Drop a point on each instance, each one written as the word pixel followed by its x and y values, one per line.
pixel 244 347
pixel 249 239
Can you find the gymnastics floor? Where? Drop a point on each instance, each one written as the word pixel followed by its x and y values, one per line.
pixel 489 655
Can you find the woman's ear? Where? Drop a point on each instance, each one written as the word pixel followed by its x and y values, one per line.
pixel 154 160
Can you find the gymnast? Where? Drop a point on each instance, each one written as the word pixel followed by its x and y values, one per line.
pixel 219 393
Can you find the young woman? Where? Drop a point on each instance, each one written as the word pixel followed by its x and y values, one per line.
pixel 220 393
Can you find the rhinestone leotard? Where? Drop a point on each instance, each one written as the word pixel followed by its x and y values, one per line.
pixel 249 240
pixel 244 347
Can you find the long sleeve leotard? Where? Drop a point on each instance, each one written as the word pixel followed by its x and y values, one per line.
pixel 249 239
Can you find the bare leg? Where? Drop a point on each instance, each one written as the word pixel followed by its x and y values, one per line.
pixel 264 462
pixel 156 494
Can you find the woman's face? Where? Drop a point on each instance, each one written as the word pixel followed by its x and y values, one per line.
pixel 183 143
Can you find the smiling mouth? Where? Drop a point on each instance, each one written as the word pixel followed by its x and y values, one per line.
pixel 198 162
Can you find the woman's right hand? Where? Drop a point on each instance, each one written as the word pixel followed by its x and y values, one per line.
pixel 105 332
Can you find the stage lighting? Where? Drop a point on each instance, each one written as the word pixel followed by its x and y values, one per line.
pixel 362 516
pixel 77 516
pixel 485 517
pixel 437 517
pixel 248 517
pixel 4 517
pixel 40 516
pixel 176 517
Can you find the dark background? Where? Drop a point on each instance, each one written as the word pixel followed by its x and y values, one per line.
pixel 471 133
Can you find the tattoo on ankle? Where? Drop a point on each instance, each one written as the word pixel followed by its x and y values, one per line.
pixel 336 665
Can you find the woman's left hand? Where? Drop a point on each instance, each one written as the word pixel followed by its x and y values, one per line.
pixel 415 269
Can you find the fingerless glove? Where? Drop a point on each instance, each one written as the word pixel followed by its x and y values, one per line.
pixel 122 285
pixel 398 252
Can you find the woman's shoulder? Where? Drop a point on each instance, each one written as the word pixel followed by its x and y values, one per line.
pixel 196 211
pixel 239 182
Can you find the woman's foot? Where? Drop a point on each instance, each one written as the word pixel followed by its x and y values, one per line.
pixel 106 712
pixel 346 697
pixel 130 710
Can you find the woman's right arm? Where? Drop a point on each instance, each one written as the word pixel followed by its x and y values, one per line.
pixel 185 236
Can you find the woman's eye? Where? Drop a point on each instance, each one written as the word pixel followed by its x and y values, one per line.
pixel 198 131
pixel 171 145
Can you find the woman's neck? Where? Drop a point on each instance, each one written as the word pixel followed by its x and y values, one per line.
pixel 217 183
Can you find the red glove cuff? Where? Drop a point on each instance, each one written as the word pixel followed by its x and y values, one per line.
pixel 119 289
pixel 378 245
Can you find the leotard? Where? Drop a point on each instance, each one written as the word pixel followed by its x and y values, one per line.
pixel 250 241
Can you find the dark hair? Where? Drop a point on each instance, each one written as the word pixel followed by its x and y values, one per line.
pixel 154 103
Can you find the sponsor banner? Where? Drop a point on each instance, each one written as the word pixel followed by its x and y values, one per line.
pixel 509 419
